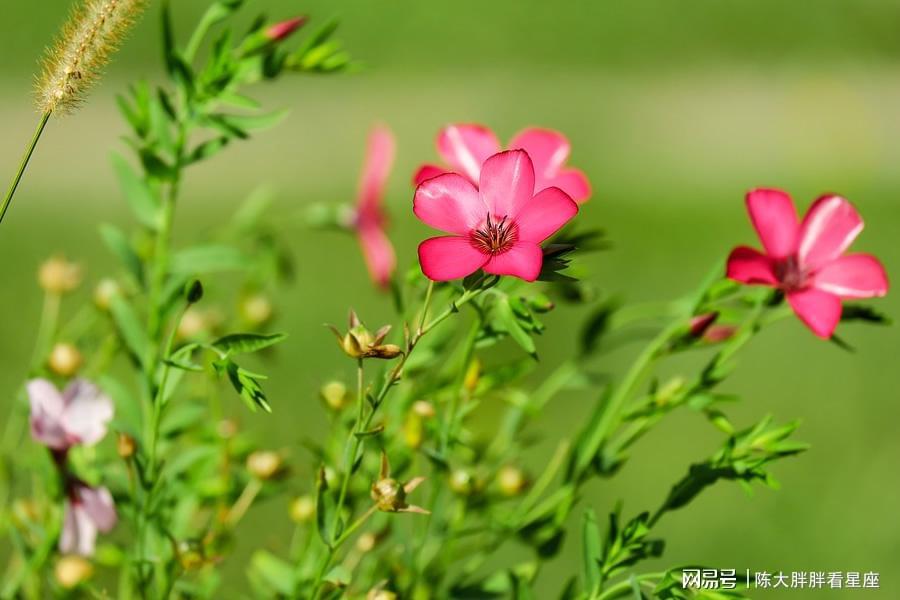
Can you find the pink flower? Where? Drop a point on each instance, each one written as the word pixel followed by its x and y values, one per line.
pixel 369 218
pixel 282 30
pixel 498 226
pixel 465 148
pixel 87 511
pixel 806 259
pixel 76 416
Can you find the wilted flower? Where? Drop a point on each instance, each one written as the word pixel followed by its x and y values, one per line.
pixel 88 510
pixel 806 260
pixel 498 227
pixel 280 31
pixel 59 276
pixel 360 343
pixel 369 219
pixel 303 509
pixel 78 415
pixel 465 148
pixel 390 495
pixel 71 571
pixel 65 360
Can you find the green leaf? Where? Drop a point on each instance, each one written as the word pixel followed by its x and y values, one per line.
pixel 119 245
pixel 246 384
pixel 867 314
pixel 370 433
pixel 201 260
pixel 273 572
pixel 507 320
pixel 249 122
pixel 324 508
pixel 245 343
pixel 131 330
pixel 591 552
pixel 138 194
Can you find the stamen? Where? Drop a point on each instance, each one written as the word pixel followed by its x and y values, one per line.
pixel 496 237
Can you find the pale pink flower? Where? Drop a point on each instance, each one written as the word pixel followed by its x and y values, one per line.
pixel 465 148
pixel 280 31
pixel 87 511
pixel 369 218
pixel 806 259
pixel 497 226
pixel 78 415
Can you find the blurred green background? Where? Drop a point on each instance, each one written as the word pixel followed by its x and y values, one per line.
pixel 674 109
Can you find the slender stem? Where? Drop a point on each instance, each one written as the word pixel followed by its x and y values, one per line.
pixel 23 164
pixel 248 495
pixel 353 443
pixel 449 422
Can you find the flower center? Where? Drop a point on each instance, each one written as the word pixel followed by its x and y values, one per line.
pixel 496 236
pixel 790 274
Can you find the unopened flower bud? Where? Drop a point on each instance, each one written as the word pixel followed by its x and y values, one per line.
pixel 104 293
pixel 473 375
pixel 227 428
pixel 193 292
pixel 257 310
pixel 65 360
pixel 191 555
pixel 331 478
pixel 462 482
pixel 423 408
pixel 303 509
pixel 280 31
pixel 512 480
pixel 72 570
pixel 669 391
pixel 264 464
pixel 193 323
pixel 334 394
pixel 719 333
pixel 125 446
pixel 700 323
pixel 59 276
pixel 541 303
pixel 366 542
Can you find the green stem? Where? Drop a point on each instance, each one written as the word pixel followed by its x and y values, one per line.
pixel 353 443
pixel 23 164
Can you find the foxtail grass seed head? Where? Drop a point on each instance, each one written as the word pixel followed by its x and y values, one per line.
pixel 72 571
pixel 59 276
pixel 95 29
pixel 303 509
pixel 65 360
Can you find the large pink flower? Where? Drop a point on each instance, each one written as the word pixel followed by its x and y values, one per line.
pixel 465 148
pixel 369 218
pixel 806 259
pixel 78 415
pixel 498 226
pixel 87 511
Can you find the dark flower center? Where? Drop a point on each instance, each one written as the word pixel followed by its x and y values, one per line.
pixel 496 236
pixel 790 274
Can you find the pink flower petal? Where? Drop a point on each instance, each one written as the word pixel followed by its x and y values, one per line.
pixel 544 215
pixel 523 260
pixel 830 226
pixel 820 311
pixel 574 183
pixel 376 169
pixel 47 407
pixel 450 203
pixel 466 147
pixel 426 172
pixel 79 533
pixel 775 220
pixel 446 258
pixel 750 266
pixel 378 253
pixel 87 412
pixel 98 504
pixel 853 276
pixel 507 183
pixel 548 150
